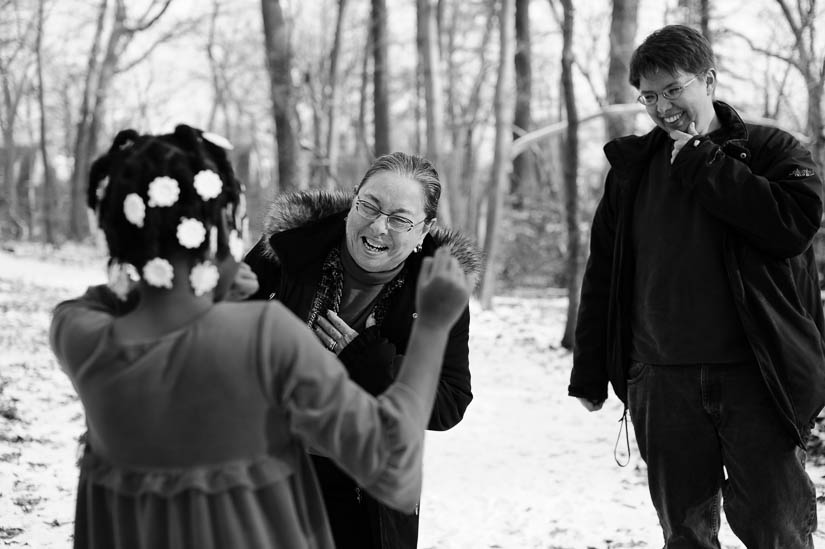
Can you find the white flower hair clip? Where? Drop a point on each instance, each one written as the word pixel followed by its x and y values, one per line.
pixel 191 233
pixel 158 272
pixel 121 278
pixel 208 184
pixel 134 209
pixel 100 192
pixel 203 278
pixel 236 246
pixel 217 140
pixel 213 241
pixel 163 191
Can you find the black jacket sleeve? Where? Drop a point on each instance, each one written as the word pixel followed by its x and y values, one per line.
pixel 454 391
pixel 267 268
pixel 770 196
pixel 373 363
pixel 589 377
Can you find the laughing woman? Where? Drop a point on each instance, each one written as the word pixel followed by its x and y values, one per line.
pixel 347 265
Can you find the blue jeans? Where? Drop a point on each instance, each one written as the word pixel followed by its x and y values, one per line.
pixel 695 423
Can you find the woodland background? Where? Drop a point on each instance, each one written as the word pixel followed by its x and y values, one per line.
pixel 511 99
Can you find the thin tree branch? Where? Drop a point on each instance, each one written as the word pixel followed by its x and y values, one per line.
pixel 168 36
pixel 763 51
pixel 146 23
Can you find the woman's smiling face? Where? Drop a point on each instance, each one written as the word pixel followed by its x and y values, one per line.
pixel 371 243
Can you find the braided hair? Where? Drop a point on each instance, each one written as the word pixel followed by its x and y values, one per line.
pixel 132 164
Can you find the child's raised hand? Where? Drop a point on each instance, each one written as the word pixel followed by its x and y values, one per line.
pixel 244 285
pixel 443 290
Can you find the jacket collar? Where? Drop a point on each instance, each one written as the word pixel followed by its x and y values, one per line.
pixel 301 227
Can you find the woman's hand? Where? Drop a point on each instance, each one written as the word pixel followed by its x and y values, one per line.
pixel 333 332
pixel 443 290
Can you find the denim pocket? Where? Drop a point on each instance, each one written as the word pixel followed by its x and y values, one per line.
pixel 636 372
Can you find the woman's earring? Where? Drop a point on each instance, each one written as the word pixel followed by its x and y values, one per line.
pixel 418 248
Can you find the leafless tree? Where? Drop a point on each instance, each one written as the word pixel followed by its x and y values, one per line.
pixel 807 57
pixel 571 167
pixel 16 82
pixel 623 27
pixel 380 78
pixel 104 62
pixel 332 97
pixel 49 222
pixel 504 106
pixel 523 177
pixel 279 66
pixel 430 69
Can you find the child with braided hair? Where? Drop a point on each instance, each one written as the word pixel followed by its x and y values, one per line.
pixel 198 409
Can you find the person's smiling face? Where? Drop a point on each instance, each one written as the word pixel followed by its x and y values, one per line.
pixel 370 242
pixel 694 104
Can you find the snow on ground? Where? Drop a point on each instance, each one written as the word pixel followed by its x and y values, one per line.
pixel 528 467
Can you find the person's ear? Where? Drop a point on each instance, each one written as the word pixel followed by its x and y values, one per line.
pixel 710 81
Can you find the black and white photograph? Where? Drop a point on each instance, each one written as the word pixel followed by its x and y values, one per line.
pixel 412 274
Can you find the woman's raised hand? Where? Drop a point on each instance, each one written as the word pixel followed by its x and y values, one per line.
pixel 443 290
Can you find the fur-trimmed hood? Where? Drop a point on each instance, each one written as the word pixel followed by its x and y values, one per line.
pixel 303 208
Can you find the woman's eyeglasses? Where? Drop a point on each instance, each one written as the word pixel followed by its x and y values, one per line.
pixel 674 92
pixel 395 223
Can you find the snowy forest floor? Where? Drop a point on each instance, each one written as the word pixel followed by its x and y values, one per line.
pixel 528 467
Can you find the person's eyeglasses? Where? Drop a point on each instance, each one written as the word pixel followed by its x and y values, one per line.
pixel 650 98
pixel 395 223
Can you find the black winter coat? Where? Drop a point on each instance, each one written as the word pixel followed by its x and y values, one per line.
pixel 761 183
pixel 300 231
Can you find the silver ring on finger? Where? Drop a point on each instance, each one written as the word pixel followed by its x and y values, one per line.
pixel 331 345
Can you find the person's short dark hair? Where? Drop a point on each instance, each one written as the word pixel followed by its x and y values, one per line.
pixel 671 49
pixel 132 163
pixel 416 168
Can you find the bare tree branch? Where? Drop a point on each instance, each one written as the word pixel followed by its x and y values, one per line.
pixel 145 21
pixel 591 83
pixel 795 27
pixel 769 53
pixel 168 36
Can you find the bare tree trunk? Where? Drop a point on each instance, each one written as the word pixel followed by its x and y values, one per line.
pixel 15 85
pixel 48 174
pixel 504 104
pixel 9 202
pixel 816 128
pixel 571 166
pixel 810 65
pixel 429 59
pixel 279 67
pixel 623 28
pixel 332 100
pixel 98 83
pixel 218 88
pixel 704 19
pixel 361 143
pixel 523 177
pixel 465 120
pixel 381 93
pixel 84 134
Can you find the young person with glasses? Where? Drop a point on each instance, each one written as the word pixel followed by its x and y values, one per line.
pixel 347 265
pixel 700 305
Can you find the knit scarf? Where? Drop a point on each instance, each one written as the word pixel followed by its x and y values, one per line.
pixel 330 288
